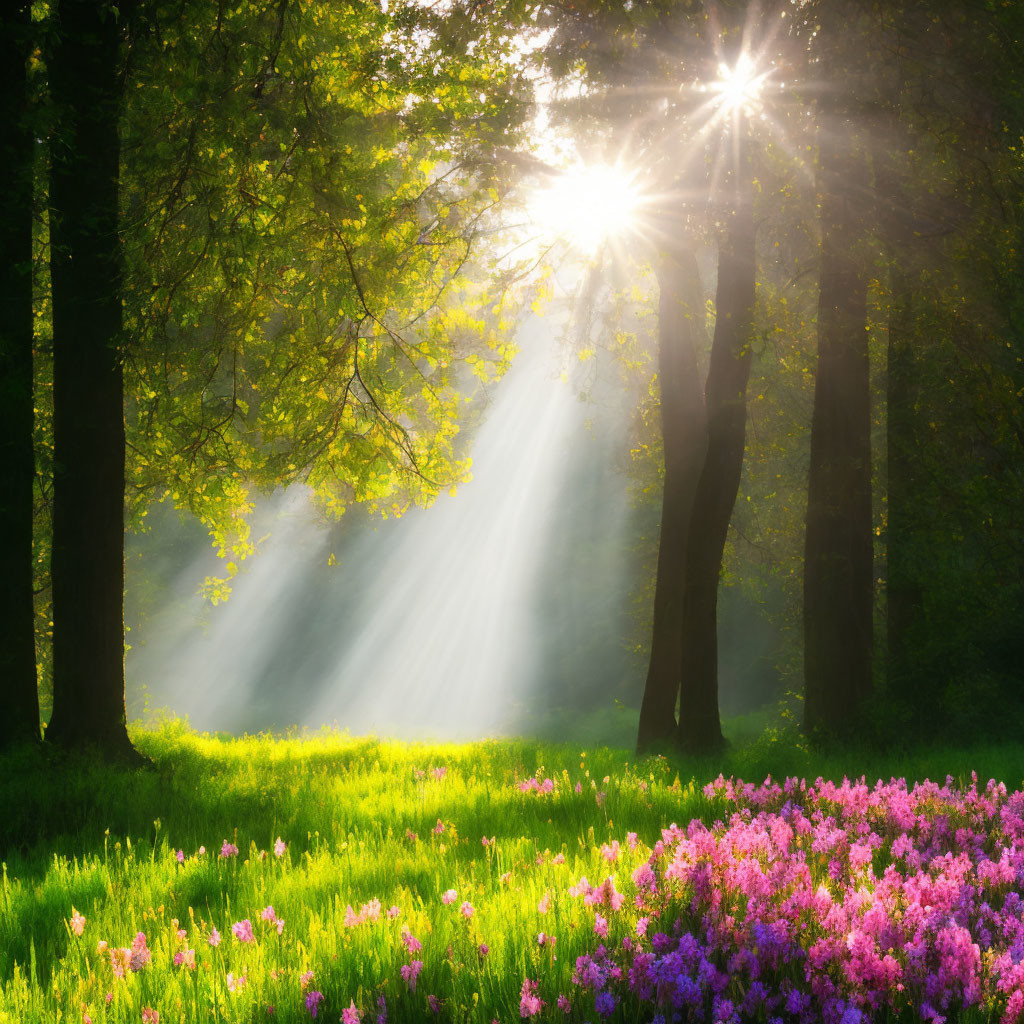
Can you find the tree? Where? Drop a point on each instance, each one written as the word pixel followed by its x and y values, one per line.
pixel 725 396
pixel 20 721
pixel 86 83
pixel 838 562
pixel 295 288
pixel 683 428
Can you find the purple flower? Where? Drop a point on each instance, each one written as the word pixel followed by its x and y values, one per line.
pixel 313 1001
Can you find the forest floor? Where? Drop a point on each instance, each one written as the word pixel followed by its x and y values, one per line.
pixel 342 878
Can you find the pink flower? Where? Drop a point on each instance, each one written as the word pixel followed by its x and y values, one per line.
pixel 268 914
pixel 482 949
pixel 350 1015
pixel 485 841
pixel 77 922
pixel 545 904
pixel 201 851
pixel 351 917
pixel 280 925
pixel 530 1004
pixel 563 1004
pixel 279 847
pixel 600 926
pixel 182 934
pixel 214 939
pixel 410 972
pixel 466 909
pixel 410 835
pixel 242 930
pixel 180 856
pixel 370 911
pixel 412 944
pixel 313 1001
pixel 543 939
pixel 439 827
pixel 631 840
pixel 140 955
pixel 439 773
pixel 449 897
pixel 228 849
pixel 305 979
pixel 236 984
pixel 579 788
pixel 434 1003
pixel 150 1016
pixel 559 858
pixel 186 958
pixel 393 912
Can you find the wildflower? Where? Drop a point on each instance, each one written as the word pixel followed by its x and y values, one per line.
pixel 485 841
pixel 242 930
pixel 120 961
pixel 228 850
pixel 604 1003
pixel 466 909
pixel 393 912
pixel 382 1005
pixel 77 922
pixel 370 911
pixel 86 1019
pixel 268 914
pixel 545 904
pixel 410 972
pixel 439 827
pixel 631 840
pixel 201 851
pixel 101 946
pixel 543 939
pixel 270 1009
pixel 279 847
pixel 150 1016
pixel 236 984
pixel 449 897
pixel 599 797
pixel 181 934
pixel 439 773
pixel 140 955
pixel 579 788
pixel 179 856
pixel 313 1001
pixel 504 879
pixel 214 939
pixel 434 1003
pixel 482 949
pixel 304 980
pixel 410 835
pixel 610 853
pixel 559 858
pixel 185 958
pixel 350 1015
pixel 412 944
pixel 600 926
pixel 530 1004
pixel 351 918
pixel 563 1003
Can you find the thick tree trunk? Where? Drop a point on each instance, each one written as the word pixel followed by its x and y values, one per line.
pixel 19 720
pixel 680 317
pixel 88 421
pixel 700 727
pixel 838 564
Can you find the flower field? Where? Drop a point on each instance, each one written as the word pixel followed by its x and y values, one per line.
pixel 363 881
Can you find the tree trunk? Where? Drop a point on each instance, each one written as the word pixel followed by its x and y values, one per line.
pixel 88 420
pixel 680 316
pixel 838 563
pixel 700 728
pixel 18 691
pixel 904 598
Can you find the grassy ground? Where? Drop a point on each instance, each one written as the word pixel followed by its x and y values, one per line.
pixel 104 842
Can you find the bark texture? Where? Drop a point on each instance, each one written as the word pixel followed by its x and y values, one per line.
pixel 88 422
pixel 18 692
pixel 680 316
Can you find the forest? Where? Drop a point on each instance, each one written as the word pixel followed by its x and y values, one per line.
pixel 450 449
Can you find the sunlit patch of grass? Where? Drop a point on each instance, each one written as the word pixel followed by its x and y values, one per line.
pixel 362 820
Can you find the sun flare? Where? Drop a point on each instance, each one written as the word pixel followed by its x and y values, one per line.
pixel 587 205
pixel 739 88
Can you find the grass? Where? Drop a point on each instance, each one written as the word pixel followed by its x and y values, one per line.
pixel 104 841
